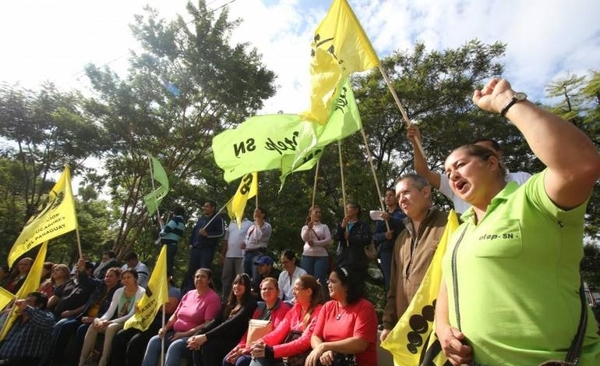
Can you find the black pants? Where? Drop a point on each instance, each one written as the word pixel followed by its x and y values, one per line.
pixel 26 361
pixel 129 346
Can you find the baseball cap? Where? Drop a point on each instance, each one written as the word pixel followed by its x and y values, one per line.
pixel 265 259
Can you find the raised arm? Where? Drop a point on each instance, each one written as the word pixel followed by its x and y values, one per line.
pixel 572 159
pixel 421 167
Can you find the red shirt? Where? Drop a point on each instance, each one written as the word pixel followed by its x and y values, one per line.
pixel 358 319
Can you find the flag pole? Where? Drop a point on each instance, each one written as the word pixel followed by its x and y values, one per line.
pixel 370 158
pixel 312 203
pixel 400 106
pixel 342 175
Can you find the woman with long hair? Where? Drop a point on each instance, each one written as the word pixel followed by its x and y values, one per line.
pixel 291 338
pixel 317 239
pixel 216 338
pixel 121 308
pixel 346 329
pixel 59 277
pixel 271 308
pixel 197 308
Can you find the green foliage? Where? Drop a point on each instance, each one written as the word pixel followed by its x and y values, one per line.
pixel 186 85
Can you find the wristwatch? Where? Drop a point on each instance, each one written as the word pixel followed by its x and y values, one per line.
pixel 518 97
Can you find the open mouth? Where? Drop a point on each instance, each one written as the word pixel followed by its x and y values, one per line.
pixel 461 186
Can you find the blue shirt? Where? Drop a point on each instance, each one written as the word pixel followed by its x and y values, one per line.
pixel 30 339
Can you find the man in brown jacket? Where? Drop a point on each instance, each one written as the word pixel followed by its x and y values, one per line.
pixel 414 247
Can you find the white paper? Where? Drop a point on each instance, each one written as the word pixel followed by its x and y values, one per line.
pixel 376 215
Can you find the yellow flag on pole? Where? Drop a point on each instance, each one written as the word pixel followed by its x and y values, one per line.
pixel 247 189
pixel 408 341
pixel 340 47
pixel 156 295
pixel 55 219
pixel 31 284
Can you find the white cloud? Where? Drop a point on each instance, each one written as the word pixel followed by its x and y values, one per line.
pixel 54 40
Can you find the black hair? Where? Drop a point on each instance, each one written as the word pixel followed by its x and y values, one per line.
pixel 109 253
pixel 133 272
pixel 484 154
pixel 41 299
pixel 494 143
pixel 291 255
pixel 179 211
pixel 352 281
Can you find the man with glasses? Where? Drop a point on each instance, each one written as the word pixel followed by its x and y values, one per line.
pixel 203 241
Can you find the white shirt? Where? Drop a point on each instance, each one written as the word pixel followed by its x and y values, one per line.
pixel 461 206
pixel 286 285
pixel 258 237
pixel 235 237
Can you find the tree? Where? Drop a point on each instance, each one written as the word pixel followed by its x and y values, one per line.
pixel 45 130
pixel 186 85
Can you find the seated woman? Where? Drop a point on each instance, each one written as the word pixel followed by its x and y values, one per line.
pixel 287 278
pixel 121 308
pixel 271 308
pixel 98 303
pixel 346 328
pixel 291 338
pixel 129 345
pixel 197 308
pixel 215 339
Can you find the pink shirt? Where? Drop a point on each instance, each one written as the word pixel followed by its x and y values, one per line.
pixel 354 320
pixel 194 309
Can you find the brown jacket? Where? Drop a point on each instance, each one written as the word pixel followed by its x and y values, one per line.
pixel 411 259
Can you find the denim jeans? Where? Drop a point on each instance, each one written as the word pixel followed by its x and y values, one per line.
pixel 175 351
pixel 317 267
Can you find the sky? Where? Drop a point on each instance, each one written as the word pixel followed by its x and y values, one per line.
pixel 547 39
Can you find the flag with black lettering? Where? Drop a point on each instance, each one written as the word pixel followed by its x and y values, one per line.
pixel 247 189
pixel 408 342
pixel 340 47
pixel 283 141
pixel 56 218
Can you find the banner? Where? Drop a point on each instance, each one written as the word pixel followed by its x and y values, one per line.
pixel 55 219
pixel 247 189
pixel 156 295
pixel 410 338
pixel 153 199
pixel 31 284
pixel 283 141
pixel 340 47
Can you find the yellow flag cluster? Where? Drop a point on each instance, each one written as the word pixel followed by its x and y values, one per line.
pixel 156 295
pixel 340 47
pixel 55 219
pixel 408 345
pixel 31 284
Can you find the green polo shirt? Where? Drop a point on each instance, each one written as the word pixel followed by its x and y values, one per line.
pixel 517 272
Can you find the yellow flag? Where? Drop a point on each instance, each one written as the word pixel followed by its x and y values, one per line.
pixel 340 47
pixel 55 219
pixel 409 339
pixel 5 297
pixel 31 284
pixel 247 189
pixel 156 295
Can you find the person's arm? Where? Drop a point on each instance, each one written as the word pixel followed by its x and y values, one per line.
pixel 325 235
pixel 216 229
pixel 450 337
pixel 306 234
pixel 40 319
pixel 239 320
pixel 572 159
pixel 302 343
pixel 421 167
pixel 114 303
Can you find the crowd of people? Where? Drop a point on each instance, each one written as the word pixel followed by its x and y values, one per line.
pixel 511 266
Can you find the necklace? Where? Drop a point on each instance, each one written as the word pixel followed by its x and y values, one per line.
pixel 339 316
